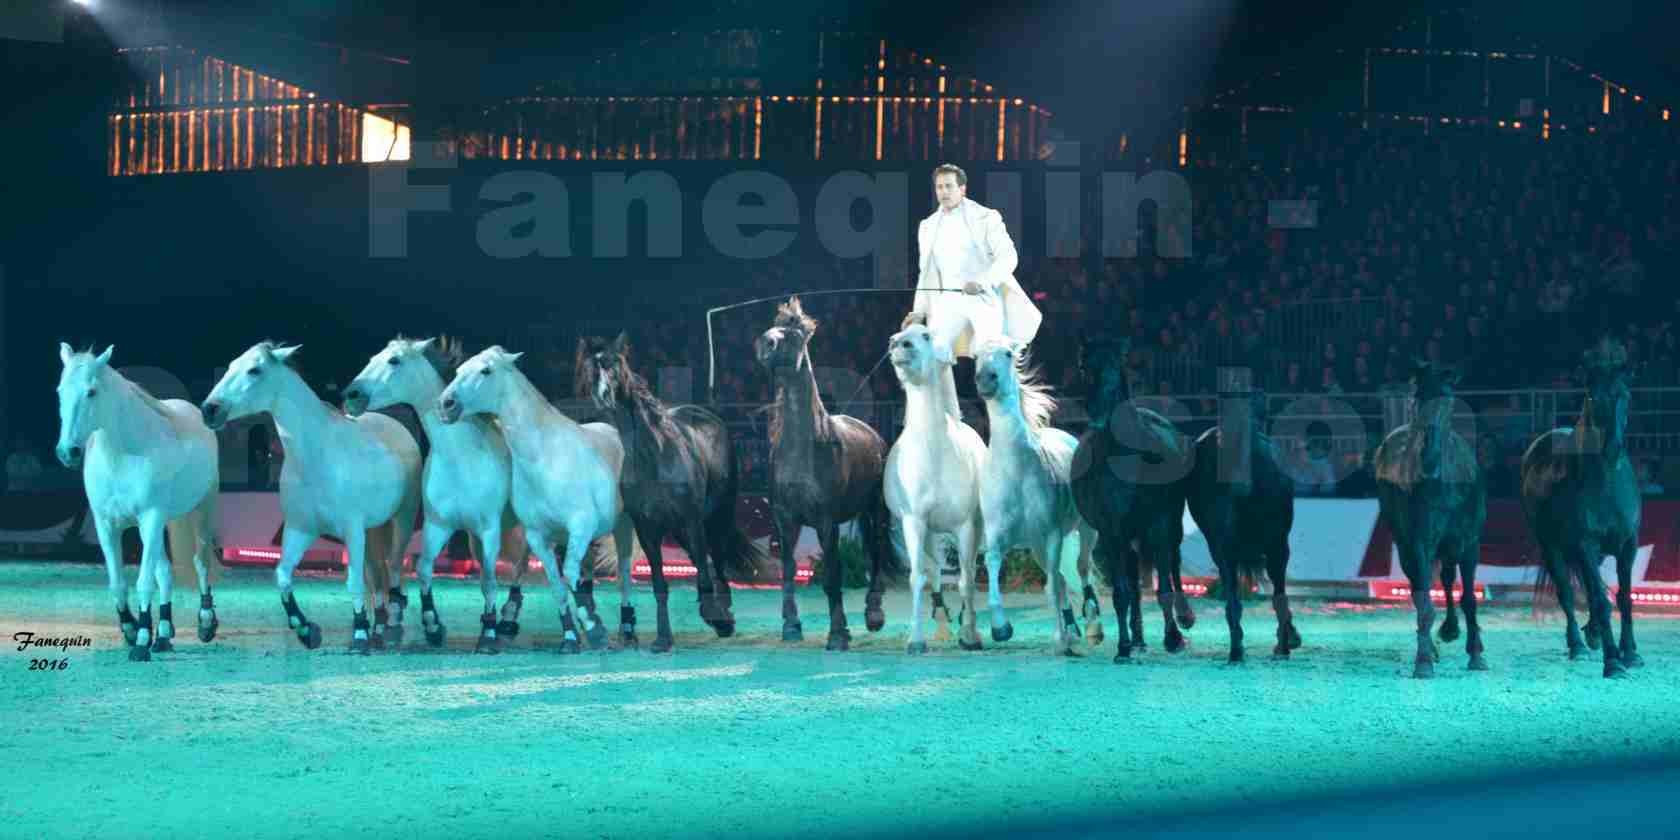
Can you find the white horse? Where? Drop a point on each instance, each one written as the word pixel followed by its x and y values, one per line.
pixel 465 485
pixel 357 479
pixel 1026 489
pixel 565 478
pixel 149 463
pixel 932 485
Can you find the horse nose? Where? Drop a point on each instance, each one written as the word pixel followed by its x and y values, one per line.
pixel 211 411
pixel 70 456
pixel 449 406
pixel 355 395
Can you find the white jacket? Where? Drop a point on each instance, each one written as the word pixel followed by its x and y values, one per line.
pixel 994 252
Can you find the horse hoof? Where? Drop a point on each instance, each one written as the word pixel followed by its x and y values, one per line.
pixel 661 644
pixel 1424 669
pixel 570 646
pixel 793 632
pixel 1237 657
pixel 838 641
pixel 139 653
pixel 597 636
pixel 207 632
pixel 131 633
pixel 1186 619
pixel 311 636
pixel 916 648
pixel 507 629
pixel 359 646
pixel 488 645
pixel 1175 644
pixel 1094 633
pixel 1004 633
pixel 968 645
pixel 1614 671
pixel 627 638
pixel 1449 632
pixel 874 619
pixel 724 629
pixel 1576 652
pixel 1141 644
pixel 162 645
pixel 1124 657
pixel 1477 663
pixel 1280 652
pixel 1294 638
pixel 1070 653
pixel 435 637
pixel 1632 660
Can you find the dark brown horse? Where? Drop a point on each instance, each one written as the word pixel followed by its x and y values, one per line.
pixel 1581 499
pixel 825 469
pixel 1432 497
pixel 1128 482
pixel 1244 503
pixel 679 478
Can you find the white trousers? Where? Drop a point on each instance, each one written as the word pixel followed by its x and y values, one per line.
pixel 971 319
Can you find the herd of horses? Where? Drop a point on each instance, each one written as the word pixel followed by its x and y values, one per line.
pixel 506 466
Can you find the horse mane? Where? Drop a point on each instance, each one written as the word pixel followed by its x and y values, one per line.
pixel 1037 403
pixel 792 314
pixel 648 410
pixel 445 355
pixel 268 347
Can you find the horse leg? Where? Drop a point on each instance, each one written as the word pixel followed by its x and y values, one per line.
pixel 206 550
pixel 1419 567
pixel 488 549
pixel 151 559
pixel 1590 630
pixel 839 636
pixel 1277 570
pixel 872 527
pixel 355 544
pixel 434 538
pixel 968 540
pixel 1114 554
pixel 1055 588
pixel 1564 581
pixel 1624 602
pixel 624 545
pixel 578 546
pixel 708 574
pixel 1134 570
pixel 1173 639
pixel 163 571
pixel 915 542
pixel 787 532
pixel 1002 630
pixel 1473 642
pixel 938 554
pixel 110 545
pixel 293 542
pixel 1449 575
pixel 401 533
pixel 518 549
pixel 1181 604
pixel 1598 601
pixel 1228 559
pixel 1091 607
pixel 653 546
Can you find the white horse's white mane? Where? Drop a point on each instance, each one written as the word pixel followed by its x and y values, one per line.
pixel 1038 405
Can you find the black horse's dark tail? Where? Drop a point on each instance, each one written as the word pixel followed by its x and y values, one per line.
pixel 729 543
pixel 886 541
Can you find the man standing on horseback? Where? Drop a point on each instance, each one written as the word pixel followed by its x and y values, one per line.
pixel 965 246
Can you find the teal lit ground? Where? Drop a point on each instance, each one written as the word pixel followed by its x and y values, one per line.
pixel 750 737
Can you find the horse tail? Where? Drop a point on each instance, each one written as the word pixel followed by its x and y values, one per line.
pixel 728 541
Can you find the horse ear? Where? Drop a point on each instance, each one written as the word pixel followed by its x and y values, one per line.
pixel 427 344
pixel 65 354
pixel 284 354
pixel 621 345
pixel 514 357
pixel 105 357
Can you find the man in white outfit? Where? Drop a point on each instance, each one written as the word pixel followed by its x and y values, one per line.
pixel 965 246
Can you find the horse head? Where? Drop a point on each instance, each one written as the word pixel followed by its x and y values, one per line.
pixel 785 346
pixel 80 406
pixel 603 372
pixel 1607 374
pixel 484 384
pixel 251 385
pixel 1103 372
pixel 913 356
pixel 406 372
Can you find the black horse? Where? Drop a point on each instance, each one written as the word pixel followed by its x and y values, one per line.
pixel 1581 499
pixel 1128 482
pixel 1433 497
pixel 824 470
pixel 679 478
pixel 1244 504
